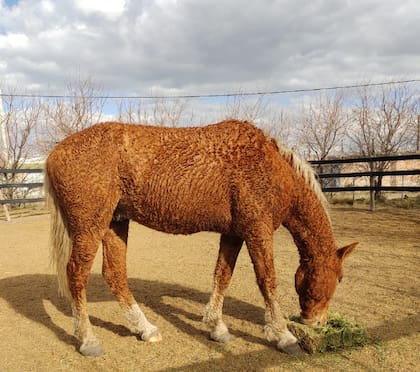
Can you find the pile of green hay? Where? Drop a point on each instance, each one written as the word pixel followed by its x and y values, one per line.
pixel 339 333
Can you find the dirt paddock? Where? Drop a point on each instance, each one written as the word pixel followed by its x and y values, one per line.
pixel 171 276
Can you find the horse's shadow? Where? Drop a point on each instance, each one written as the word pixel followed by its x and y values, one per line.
pixel 26 295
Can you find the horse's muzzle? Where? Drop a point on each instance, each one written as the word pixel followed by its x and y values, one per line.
pixel 317 321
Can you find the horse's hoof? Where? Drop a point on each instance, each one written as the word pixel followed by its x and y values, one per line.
pixel 153 336
pixel 91 350
pixel 287 343
pixel 222 338
pixel 292 349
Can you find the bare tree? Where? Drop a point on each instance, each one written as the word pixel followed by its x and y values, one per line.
pixel 321 130
pixel 414 127
pixel 416 130
pixel 382 121
pixel 130 111
pixel 82 108
pixel 244 108
pixel 169 112
pixel 275 120
pixel 323 125
pixel 156 111
pixel 19 122
pixel 279 124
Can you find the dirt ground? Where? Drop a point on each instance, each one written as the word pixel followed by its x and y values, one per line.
pixel 171 276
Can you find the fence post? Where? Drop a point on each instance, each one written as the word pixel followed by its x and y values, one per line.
pixel 6 210
pixel 371 189
pixel 5 149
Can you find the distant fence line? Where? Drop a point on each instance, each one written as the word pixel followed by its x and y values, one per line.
pixel 19 185
pixel 372 187
pixel 370 174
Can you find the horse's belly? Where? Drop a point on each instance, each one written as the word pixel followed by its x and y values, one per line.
pixel 186 217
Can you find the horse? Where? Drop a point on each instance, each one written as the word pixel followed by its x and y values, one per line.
pixel 229 177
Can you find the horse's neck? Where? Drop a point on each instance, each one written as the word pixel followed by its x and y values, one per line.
pixel 310 226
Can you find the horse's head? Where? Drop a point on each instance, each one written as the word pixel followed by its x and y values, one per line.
pixel 315 283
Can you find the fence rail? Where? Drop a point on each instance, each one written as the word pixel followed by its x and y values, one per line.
pixel 411 172
pixel 32 185
pixel 374 175
pixel 22 201
pixel 367 159
pixel 21 170
pixel 20 185
pixel 373 186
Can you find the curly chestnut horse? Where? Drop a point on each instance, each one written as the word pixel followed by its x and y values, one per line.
pixel 228 178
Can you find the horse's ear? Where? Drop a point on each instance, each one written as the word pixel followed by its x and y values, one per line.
pixel 345 251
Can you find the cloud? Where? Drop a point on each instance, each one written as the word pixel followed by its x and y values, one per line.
pixel 207 46
pixel 110 9
pixel 14 41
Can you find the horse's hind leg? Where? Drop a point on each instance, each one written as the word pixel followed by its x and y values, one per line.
pixel 85 246
pixel 114 270
pixel 228 253
pixel 260 247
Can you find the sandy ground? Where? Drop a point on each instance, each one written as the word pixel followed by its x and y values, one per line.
pixel 171 276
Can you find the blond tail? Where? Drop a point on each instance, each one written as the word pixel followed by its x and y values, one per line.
pixel 60 241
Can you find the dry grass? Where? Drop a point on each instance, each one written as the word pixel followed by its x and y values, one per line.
pixel 340 332
pixel 172 277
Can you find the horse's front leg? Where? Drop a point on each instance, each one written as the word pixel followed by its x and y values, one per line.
pixel 78 271
pixel 230 247
pixel 260 247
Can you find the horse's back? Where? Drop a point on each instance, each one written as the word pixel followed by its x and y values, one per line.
pixel 177 180
pixel 183 180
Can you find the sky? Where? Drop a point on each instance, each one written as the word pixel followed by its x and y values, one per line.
pixel 170 47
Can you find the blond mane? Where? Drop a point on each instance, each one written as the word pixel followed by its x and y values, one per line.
pixel 305 170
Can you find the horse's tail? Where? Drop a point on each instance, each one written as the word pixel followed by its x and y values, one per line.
pixel 60 241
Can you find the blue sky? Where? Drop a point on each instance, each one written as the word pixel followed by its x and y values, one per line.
pixel 10 3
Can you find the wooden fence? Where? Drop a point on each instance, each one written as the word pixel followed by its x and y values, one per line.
pixel 374 186
pixel 319 166
pixel 18 185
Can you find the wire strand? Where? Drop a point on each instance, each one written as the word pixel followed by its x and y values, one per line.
pixel 215 95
